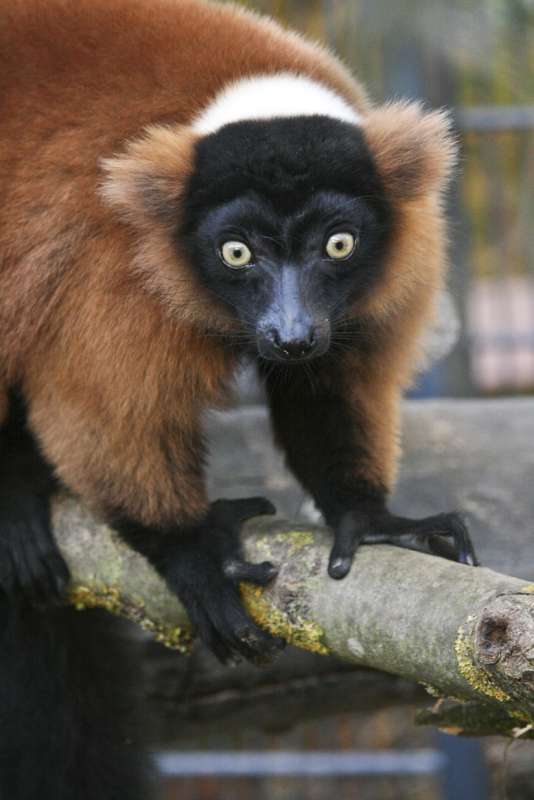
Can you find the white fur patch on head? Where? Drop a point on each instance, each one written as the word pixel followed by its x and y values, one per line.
pixel 271 96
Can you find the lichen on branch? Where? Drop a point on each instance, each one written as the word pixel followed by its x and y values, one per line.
pixel 466 632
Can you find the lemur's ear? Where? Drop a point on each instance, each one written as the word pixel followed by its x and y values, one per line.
pixel 415 151
pixel 146 182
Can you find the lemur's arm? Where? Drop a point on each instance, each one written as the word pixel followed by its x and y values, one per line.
pixel 337 423
pixel 140 466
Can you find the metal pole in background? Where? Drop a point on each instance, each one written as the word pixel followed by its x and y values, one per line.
pixel 465 774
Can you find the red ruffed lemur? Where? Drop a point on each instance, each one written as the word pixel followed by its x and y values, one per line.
pixel 183 185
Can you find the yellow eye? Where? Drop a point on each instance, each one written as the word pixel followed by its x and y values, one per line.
pixel 340 245
pixel 236 255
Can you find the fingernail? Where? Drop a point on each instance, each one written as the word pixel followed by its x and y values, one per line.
pixel 230 568
pixel 339 568
pixel 467 558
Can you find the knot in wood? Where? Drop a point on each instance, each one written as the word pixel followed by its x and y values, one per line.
pixel 491 638
pixel 504 636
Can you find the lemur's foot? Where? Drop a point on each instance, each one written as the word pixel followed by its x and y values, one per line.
pixel 205 567
pixel 32 569
pixel 444 535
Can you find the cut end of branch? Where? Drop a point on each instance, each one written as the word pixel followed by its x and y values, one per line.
pixel 474 674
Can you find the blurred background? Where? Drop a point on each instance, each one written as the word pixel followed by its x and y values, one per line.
pixel 477 58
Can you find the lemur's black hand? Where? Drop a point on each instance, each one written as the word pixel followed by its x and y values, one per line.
pixel 205 567
pixel 428 535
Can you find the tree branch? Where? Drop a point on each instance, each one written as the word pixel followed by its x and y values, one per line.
pixel 467 633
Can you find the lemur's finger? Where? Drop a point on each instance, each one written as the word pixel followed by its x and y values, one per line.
pixel 204 628
pixel 240 570
pixel 460 533
pixel 347 537
pixel 239 632
pixel 443 535
pixel 213 641
pixel 461 548
pixel 425 534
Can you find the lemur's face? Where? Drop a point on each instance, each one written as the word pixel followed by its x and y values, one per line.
pixel 290 276
pixel 293 232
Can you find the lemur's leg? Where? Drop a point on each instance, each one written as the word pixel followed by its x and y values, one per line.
pixel 66 677
pixel 339 433
pixel 31 566
pixel 144 473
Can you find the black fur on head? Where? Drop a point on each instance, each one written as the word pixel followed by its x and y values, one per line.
pixel 283 187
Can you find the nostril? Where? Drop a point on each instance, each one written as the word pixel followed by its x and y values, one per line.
pixel 274 336
pixel 297 348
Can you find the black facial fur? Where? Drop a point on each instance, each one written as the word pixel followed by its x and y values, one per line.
pixel 284 160
pixel 283 187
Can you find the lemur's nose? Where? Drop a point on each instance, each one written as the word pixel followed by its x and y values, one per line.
pixel 295 348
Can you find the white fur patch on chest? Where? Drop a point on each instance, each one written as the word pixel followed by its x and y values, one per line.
pixel 272 96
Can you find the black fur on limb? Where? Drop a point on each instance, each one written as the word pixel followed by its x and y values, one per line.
pixel 66 679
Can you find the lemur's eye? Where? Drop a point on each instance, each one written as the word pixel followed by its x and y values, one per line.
pixel 341 245
pixel 236 255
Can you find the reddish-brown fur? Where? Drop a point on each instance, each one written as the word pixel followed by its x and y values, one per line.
pixel 99 323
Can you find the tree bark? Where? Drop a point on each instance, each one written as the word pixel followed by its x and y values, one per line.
pixel 465 633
